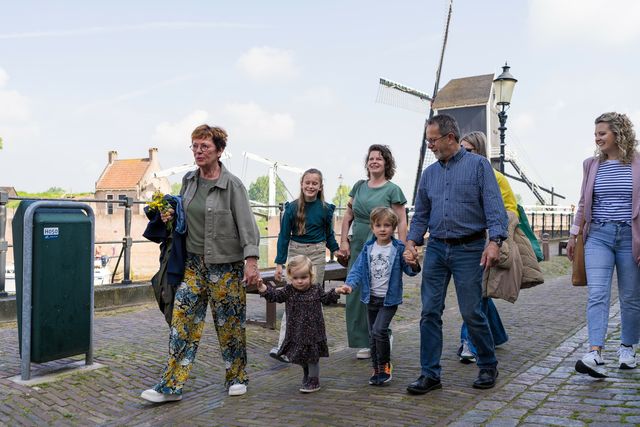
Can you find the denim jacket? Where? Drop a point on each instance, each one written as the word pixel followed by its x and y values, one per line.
pixel 360 274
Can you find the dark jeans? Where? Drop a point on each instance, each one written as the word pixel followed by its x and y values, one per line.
pixel 441 261
pixel 379 320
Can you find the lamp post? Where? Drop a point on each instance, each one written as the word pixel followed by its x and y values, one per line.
pixel 503 85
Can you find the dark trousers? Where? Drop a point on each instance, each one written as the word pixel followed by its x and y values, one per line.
pixel 379 320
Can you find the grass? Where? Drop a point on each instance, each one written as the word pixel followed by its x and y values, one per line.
pixel 556 266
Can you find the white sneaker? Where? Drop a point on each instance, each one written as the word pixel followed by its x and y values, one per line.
pixel 363 353
pixel 626 357
pixel 592 363
pixel 237 390
pixel 466 356
pixel 153 396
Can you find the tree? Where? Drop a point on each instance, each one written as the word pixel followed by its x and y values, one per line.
pixel 342 196
pixel 259 190
pixel 0 143
pixel 56 190
pixel 175 188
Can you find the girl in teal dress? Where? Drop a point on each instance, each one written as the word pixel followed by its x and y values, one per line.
pixel 377 190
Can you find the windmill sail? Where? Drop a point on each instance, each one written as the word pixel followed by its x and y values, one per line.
pixel 397 95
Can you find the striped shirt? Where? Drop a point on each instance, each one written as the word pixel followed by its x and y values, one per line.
pixel 457 199
pixel 612 192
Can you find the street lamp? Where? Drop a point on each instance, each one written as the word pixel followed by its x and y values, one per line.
pixel 503 85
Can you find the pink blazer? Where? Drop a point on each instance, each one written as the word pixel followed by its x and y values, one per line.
pixel 590 168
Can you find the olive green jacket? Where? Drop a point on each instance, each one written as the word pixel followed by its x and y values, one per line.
pixel 231 232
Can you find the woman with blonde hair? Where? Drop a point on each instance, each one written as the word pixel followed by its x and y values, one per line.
pixel 608 216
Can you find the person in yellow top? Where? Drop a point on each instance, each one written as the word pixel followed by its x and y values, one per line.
pixel 476 142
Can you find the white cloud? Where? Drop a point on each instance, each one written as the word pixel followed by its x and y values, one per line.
pixel 177 134
pixel 14 107
pixel 4 77
pixel 250 123
pixel 266 63
pixel 609 22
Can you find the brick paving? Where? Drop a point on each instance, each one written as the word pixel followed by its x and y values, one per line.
pixel 537 384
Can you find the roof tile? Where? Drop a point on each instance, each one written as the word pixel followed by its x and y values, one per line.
pixel 123 174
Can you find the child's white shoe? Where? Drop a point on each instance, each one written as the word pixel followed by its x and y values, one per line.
pixel 363 353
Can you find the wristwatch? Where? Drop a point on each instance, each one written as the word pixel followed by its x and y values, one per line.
pixel 497 240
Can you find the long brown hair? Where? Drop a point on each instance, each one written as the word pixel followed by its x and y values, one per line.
pixel 300 219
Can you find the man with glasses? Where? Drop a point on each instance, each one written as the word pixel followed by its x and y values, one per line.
pixel 458 202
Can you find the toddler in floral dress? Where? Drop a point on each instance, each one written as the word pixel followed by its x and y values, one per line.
pixel 305 340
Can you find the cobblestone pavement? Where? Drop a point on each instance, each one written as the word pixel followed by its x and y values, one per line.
pixel 537 384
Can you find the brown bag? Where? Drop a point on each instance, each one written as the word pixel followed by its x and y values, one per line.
pixel 579 274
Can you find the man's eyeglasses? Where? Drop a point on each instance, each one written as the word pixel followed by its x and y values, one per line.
pixel 201 147
pixel 433 141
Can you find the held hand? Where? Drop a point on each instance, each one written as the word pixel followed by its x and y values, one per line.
pixel 410 254
pixel 167 215
pixel 490 255
pixel 344 250
pixel 251 273
pixel 261 286
pixel 343 290
pixel 278 274
pixel 571 246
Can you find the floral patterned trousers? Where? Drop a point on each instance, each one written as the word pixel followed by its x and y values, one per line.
pixel 221 286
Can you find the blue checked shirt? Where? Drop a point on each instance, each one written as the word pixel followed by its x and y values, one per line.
pixel 457 199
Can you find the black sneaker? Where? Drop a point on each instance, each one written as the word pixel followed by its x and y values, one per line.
pixel 374 379
pixel 384 375
pixel 281 358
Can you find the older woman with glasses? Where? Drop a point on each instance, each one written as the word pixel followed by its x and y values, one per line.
pixel 608 215
pixel 222 252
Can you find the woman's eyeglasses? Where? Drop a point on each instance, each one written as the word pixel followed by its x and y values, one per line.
pixel 201 147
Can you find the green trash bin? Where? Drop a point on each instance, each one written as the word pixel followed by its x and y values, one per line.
pixel 60 286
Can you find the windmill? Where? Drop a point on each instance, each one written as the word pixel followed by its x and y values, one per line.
pixel 389 91
pixel 273 175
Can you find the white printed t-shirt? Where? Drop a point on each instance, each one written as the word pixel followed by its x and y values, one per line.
pixel 380 267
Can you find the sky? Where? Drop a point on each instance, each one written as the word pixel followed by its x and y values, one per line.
pixel 296 82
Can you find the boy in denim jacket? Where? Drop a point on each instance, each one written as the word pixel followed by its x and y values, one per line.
pixel 378 270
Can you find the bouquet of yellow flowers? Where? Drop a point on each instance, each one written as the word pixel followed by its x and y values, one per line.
pixel 161 204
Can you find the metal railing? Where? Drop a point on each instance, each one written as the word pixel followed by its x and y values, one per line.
pixel 555 221
pixel 127 240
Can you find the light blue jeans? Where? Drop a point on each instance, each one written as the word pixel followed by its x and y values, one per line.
pixel 608 245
